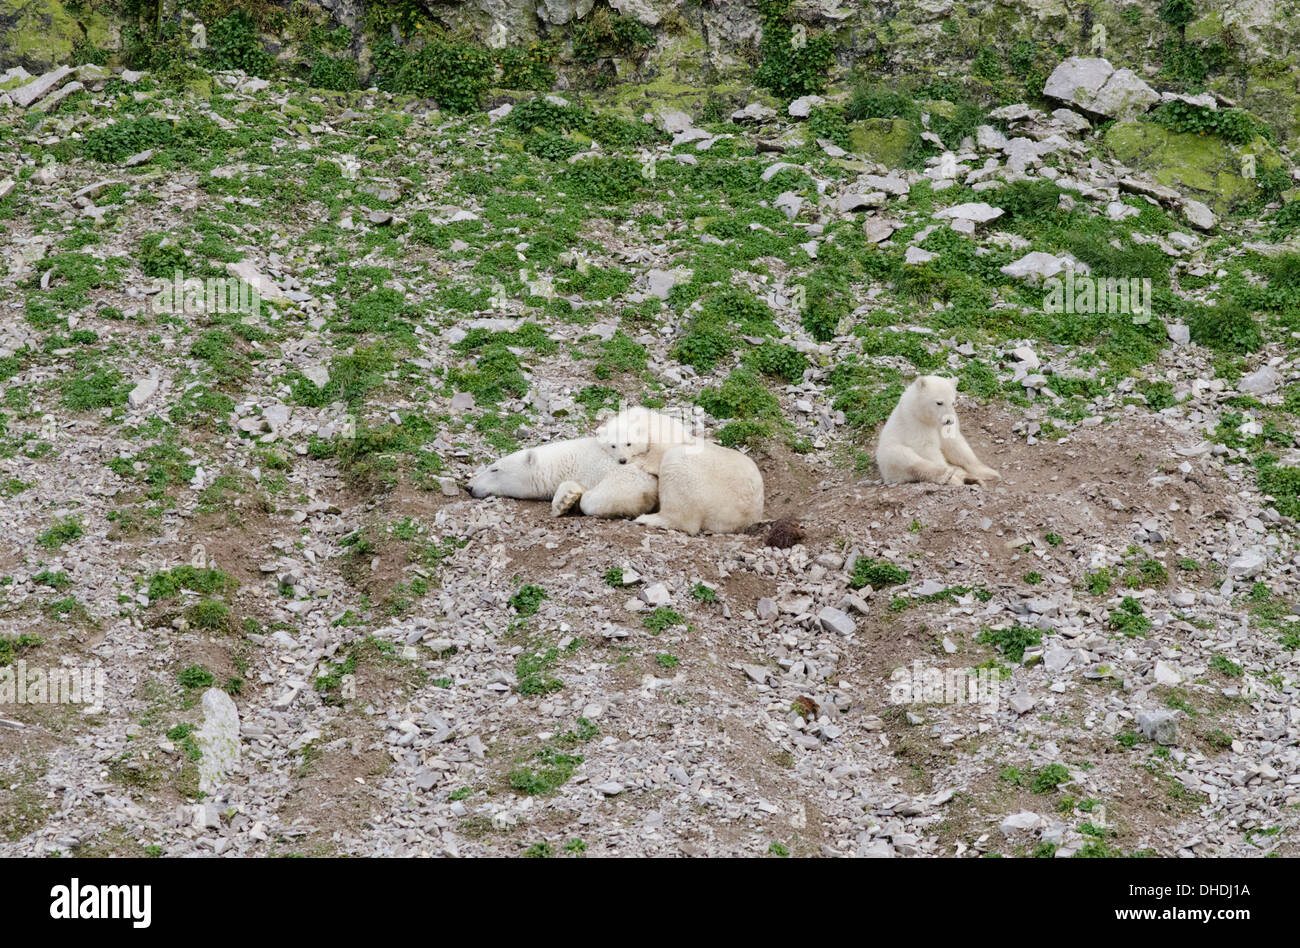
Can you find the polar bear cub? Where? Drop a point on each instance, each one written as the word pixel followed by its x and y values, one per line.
pixel 703 487
pixel 922 440
pixel 566 472
pixel 643 434
pixel 628 489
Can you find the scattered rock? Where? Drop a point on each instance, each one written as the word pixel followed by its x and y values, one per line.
pixel 1198 215
pixel 755 112
pixel 835 621
pixel 1035 266
pixel 1096 86
pixel 802 107
pixel 878 229
pixel 855 202
pixel 1260 382
pixel 656 595
pixel 1159 726
pixel 662 282
pixel 1166 674
pixel 27 95
pixel 1249 564
pixel 143 391
pixel 789 203
pixel 217 739
pixel 1022 822
pixel 977 212
pixel 265 287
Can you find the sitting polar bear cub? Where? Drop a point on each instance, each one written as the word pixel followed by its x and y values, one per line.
pixel 922 440
pixel 564 472
pixel 703 487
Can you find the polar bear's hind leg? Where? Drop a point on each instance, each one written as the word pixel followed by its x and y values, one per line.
pixel 667 522
pixel 913 468
pixel 675 513
pixel 958 452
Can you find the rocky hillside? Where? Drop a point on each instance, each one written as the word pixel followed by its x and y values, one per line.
pixel 244 512
pixel 693 49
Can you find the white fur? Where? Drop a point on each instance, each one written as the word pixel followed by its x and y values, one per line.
pixel 566 472
pixel 642 434
pixel 626 491
pixel 922 440
pixel 701 486
pixel 706 488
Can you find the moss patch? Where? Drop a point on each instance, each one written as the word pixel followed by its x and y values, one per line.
pixel 41 34
pixel 883 140
pixel 1204 164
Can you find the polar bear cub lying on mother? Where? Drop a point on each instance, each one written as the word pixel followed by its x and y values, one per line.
pixel 699 487
pixel 703 487
pixel 922 440
pixel 642 435
pixel 565 472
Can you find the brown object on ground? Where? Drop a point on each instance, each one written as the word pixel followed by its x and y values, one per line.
pixel 785 533
pixel 806 707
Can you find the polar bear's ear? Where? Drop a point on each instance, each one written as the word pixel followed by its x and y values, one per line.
pixel 920 381
pixel 530 458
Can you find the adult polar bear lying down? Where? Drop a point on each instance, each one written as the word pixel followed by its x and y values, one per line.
pixel 701 486
pixel 580 472
pixel 597 482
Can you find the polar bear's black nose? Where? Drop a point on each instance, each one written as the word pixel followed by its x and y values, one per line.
pixel 622 460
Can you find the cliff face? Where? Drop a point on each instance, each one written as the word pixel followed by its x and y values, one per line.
pixel 39 34
pixel 1245 50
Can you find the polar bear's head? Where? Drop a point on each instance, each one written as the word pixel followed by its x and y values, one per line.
pixel 517 475
pixel 625 436
pixel 934 399
pixel 634 431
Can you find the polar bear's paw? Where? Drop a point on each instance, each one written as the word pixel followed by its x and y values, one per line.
pixel 566 495
pixel 974 477
pixel 663 522
pixel 957 475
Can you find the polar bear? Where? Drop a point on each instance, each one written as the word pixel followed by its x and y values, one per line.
pixel 706 488
pixel 642 434
pixel 703 487
pixel 623 492
pixel 566 472
pixel 922 440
